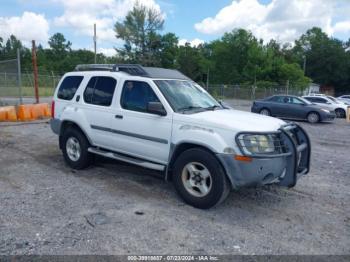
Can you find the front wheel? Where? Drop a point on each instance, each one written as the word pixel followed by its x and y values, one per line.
pixel 75 149
pixel 313 117
pixel 200 179
pixel 340 113
pixel 265 112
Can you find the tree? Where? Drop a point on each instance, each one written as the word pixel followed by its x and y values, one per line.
pixel 236 57
pixel 11 46
pixel 327 61
pixel 139 32
pixel 293 74
pixel 169 50
pixel 59 45
pixel 189 62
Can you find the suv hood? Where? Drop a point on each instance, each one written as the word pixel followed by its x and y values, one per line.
pixel 235 120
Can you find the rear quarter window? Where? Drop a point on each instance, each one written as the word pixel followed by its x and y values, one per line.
pixel 99 91
pixel 69 87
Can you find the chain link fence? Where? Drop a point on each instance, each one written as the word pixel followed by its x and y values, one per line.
pixel 243 95
pixel 47 83
pixel 9 79
pixel 10 93
pixel 18 86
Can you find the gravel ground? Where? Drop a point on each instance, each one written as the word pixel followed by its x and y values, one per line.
pixel 115 208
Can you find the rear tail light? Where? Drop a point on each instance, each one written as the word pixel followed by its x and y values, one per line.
pixel 53 109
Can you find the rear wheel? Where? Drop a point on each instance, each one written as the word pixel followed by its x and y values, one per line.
pixel 200 179
pixel 340 113
pixel 265 112
pixel 75 149
pixel 313 117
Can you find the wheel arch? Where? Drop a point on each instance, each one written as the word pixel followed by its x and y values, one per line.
pixel 70 124
pixel 266 108
pixel 177 149
pixel 340 109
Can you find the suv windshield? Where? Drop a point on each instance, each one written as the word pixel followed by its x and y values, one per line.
pixel 184 96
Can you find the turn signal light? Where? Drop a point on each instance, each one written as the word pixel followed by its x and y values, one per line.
pixel 243 158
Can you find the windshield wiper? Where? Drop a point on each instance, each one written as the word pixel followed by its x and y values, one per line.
pixel 189 108
pixel 213 107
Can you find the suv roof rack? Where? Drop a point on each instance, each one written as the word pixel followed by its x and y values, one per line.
pixel 135 70
pixel 94 67
pixel 131 69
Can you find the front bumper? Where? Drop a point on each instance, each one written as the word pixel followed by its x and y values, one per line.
pixel 283 169
pixel 328 116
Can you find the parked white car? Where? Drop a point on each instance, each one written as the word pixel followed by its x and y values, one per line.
pixel 344 98
pixel 330 103
pixel 160 119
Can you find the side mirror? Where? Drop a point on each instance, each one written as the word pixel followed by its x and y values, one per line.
pixel 156 108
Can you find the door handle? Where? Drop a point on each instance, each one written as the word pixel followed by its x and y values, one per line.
pixel 119 116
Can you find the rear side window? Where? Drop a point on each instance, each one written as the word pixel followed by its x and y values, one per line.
pixel 311 99
pixel 320 100
pixel 99 91
pixel 278 99
pixel 68 87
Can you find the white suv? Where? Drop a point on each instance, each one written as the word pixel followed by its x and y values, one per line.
pixel 160 119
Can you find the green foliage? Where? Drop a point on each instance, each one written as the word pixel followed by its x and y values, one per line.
pixel 59 44
pixel 238 57
pixel 139 32
pixel 57 59
pixel 189 61
pixel 327 61
pixel 169 50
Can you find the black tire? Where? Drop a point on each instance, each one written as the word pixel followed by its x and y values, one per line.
pixel 220 186
pixel 85 157
pixel 313 117
pixel 265 112
pixel 340 113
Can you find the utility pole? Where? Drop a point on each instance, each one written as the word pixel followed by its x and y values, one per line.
pixel 19 76
pixel 304 65
pixel 35 72
pixel 255 76
pixel 208 79
pixel 95 40
pixel 208 72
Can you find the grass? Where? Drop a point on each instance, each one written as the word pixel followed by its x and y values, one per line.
pixel 26 91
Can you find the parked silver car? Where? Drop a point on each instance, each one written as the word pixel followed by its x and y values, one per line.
pixel 330 103
pixel 345 99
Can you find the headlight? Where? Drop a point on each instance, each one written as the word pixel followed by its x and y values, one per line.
pixel 325 110
pixel 258 144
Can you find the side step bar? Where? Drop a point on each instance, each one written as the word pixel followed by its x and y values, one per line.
pixel 127 159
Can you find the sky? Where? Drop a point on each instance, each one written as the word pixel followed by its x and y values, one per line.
pixel 193 21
